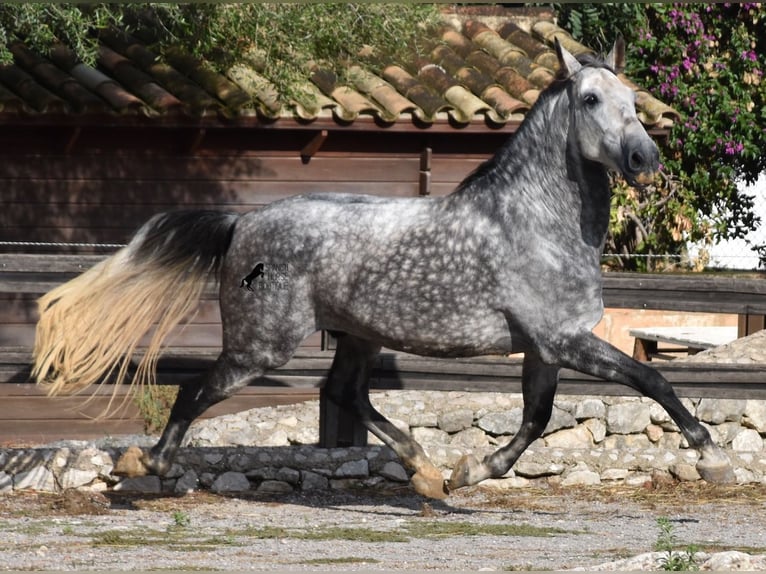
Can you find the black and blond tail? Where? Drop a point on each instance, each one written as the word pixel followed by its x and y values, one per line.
pixel 90 327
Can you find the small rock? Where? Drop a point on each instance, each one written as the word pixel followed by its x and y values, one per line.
pixel 536 470
pixel 654 432
pixel 597 429
pixel 614 474
pixel 583 477
pixel 684 471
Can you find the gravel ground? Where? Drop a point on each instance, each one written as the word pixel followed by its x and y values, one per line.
pixel 525 529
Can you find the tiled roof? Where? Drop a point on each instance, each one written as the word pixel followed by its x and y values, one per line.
pixel 475 73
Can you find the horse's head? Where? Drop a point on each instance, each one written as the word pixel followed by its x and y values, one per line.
pixel 603 119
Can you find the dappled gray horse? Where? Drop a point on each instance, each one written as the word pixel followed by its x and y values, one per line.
pixel 526 230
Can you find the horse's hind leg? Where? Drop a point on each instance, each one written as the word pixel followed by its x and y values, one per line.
pixel 589 354
pixel 230 373
pixel 348 386
pixel 538 383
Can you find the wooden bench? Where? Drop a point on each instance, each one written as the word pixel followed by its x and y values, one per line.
pixel 689 340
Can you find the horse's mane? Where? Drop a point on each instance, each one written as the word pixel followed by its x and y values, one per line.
pixel 557 85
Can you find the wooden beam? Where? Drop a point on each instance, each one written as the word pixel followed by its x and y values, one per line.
pixel 311 148
pixel 424 180
pixel 74 136
pixel 197 140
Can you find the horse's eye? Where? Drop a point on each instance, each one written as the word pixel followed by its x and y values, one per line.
pixel 590 100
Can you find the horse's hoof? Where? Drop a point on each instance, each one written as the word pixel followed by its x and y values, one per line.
pixel 716 472
pixel 429 482
pixel 463 471
pixel 131 463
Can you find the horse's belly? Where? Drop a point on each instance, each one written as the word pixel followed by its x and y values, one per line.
pixel 434 334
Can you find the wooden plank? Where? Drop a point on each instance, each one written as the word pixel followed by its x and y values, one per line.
pixel 207 171
pixel 686 292
pixel 49 425
pixel 80 199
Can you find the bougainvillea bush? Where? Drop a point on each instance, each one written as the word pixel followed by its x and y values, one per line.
pixel 706 61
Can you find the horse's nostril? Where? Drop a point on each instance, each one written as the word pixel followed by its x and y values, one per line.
pixel 636 160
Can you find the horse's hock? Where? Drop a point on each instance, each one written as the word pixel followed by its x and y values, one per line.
pixel 589 440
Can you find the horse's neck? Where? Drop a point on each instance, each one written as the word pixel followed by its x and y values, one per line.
pixel 545 180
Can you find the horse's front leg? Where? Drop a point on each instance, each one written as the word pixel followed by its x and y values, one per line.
pixel 589 354
pixel 348 386
pixel 226 377
pixel 538 383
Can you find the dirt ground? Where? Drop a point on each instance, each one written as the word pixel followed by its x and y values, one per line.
pixel 525 529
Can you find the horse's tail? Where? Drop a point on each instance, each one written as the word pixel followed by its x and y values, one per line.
pixel 90 327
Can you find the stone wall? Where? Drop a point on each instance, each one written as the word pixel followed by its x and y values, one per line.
pixel 589 440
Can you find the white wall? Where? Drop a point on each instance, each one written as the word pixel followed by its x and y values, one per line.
pixel 736 253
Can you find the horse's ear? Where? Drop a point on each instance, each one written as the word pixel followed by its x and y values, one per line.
pixel 616 58
pixel 568 64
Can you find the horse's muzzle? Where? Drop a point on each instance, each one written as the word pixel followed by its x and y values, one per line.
pixel 641 162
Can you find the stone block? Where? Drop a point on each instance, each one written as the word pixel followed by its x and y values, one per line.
pixel 353 469
pixel 577 438
pixel 6 482
pixel 627 418
pixel 313 481
pixel 231 481
pixel 145 484
pixel 188 482
pixel 455 420
pixel 755 415
pixel 717 411
pixel 38 478
pixel 470 438
pixel 501 423
pixel 560 419
pixel 747 440
pixel 274 487
pixel 394 471
pixel 589 408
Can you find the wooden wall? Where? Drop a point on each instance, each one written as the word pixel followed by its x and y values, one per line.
pixel 96 185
